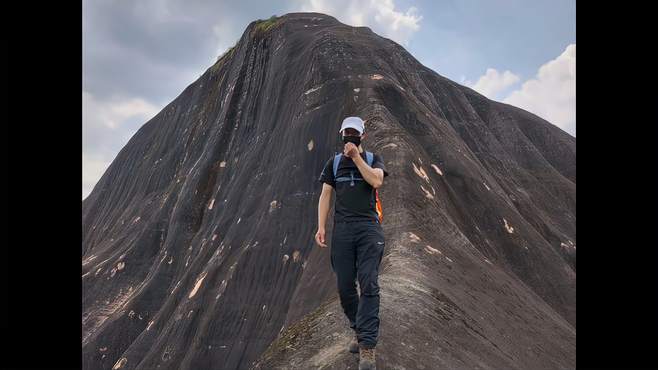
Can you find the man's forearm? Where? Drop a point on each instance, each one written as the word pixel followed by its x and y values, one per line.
pixel 368 173
pixel 323 211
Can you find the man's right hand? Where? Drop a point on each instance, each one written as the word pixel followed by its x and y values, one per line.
pixel 319 238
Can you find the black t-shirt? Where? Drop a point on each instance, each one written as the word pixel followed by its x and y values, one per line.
pixel 353 203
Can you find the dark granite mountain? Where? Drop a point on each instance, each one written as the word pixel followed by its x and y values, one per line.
pixel 198 248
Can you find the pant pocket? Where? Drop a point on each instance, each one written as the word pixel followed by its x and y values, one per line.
pixel 381 253
pixel 331 258
pixel 380 243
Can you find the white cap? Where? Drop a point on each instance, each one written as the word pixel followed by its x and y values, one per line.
pixel 353 122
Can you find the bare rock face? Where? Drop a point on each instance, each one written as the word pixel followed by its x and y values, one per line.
pixel 198 248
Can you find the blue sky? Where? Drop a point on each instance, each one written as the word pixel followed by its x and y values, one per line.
pixel 139 55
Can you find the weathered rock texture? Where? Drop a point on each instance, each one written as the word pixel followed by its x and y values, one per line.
pixel 198 248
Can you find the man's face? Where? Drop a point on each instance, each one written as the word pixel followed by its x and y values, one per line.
pixel 351 135
pixel 351 132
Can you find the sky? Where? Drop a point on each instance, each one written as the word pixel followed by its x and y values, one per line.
pixel 139 55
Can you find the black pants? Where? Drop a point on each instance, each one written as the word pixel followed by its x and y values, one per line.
pixel 356 252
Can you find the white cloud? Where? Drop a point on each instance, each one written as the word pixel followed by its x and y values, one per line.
pixel 113 113
pixel 493 82
pixel 380 15
pixel 552 93
pixel 106 128
pixel 92 170
pixel 225 35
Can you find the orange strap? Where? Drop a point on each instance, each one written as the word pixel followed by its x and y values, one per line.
pixel 380 212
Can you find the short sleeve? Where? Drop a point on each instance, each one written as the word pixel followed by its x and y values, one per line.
pixel 327 175
pixel 378 162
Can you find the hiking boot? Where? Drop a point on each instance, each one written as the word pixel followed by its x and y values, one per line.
pixel 354 345
pixel 367 358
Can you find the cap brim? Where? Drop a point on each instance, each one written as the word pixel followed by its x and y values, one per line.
pixel 351 126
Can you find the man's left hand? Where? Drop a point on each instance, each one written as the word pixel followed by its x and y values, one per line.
pixel 351 150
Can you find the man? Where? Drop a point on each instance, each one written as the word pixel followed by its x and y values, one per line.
pixel 357 243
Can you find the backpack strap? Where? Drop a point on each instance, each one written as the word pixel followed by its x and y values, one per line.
pixel 337 159
pixel 350 178
pixel 369 158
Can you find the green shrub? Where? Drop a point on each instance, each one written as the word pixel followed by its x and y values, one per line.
pixel 264 25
